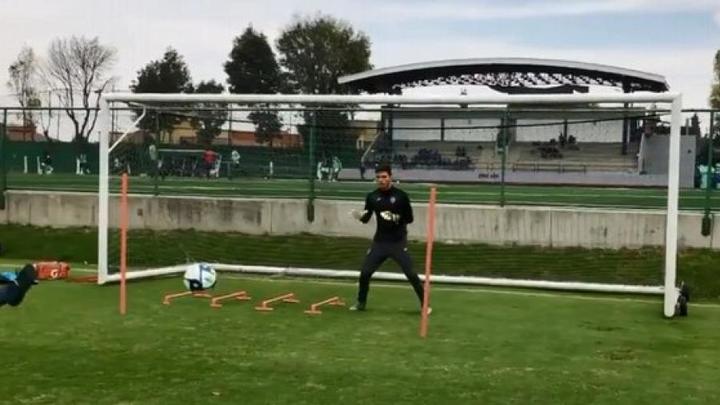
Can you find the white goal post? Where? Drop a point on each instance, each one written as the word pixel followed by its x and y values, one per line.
pixel 668 289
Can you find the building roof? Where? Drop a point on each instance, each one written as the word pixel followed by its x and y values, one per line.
pixel 23 133
pixel 509 75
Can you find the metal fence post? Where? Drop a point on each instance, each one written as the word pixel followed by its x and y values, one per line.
pixel 706 228
pixel 3 170
pixel 311 161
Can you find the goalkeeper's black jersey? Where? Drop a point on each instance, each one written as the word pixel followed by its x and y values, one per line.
pixel 397 202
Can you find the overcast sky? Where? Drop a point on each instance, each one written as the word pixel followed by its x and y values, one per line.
pixel 676 39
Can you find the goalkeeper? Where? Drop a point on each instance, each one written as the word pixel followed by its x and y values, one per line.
pixel 14 285
pixel 393 212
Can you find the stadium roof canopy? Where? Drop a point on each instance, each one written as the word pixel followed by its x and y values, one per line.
pixel 507 75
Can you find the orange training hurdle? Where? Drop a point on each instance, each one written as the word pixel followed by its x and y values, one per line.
pixel 265 305
pixel 170 297
pixel 239 296
pixel 330 301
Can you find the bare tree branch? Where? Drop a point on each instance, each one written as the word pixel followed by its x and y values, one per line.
pixel 97 103
pixel 22 82
pixel 79 66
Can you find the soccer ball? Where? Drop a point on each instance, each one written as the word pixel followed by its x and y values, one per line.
pixel 199 276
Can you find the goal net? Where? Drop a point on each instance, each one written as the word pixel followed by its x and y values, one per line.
pixel 567 192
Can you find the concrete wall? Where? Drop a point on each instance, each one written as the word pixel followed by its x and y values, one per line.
pixel 541 226
pixel 595 132
pixel 606 128
pixel 654 159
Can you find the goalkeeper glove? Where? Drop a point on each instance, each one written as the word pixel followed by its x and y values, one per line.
pixel 389 216
pixel 357 214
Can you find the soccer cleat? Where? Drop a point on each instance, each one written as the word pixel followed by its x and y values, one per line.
pixel 360 306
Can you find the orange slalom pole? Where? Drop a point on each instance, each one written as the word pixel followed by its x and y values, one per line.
pixel 123 242
pixel 428 261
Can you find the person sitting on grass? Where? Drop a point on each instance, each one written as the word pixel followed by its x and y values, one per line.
pixel 14 285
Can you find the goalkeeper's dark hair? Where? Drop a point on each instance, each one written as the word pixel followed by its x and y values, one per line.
pixel 384 168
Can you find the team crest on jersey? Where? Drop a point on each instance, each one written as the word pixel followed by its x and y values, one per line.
pixel 392 200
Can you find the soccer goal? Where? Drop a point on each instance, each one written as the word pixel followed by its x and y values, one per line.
pixel 565 192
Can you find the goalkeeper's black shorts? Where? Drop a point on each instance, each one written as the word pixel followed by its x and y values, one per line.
pixel 376 255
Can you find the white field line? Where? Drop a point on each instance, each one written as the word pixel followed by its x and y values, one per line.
pixel 477 290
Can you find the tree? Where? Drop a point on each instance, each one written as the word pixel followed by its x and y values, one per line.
pixel 268 125
pixel 45 118
pixel 79 68
pixel 22 83
pixel 253 69
pixel 167 75
pixel 715 96
pixel 315 52
pixel 694 125
pixel 208 123
pixel 715 89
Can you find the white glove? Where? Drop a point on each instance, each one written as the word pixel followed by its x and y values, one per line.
pixel 357 214
pixel 389 216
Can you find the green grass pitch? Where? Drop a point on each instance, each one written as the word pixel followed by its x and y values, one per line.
pixel 67 344
pixel 610 197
